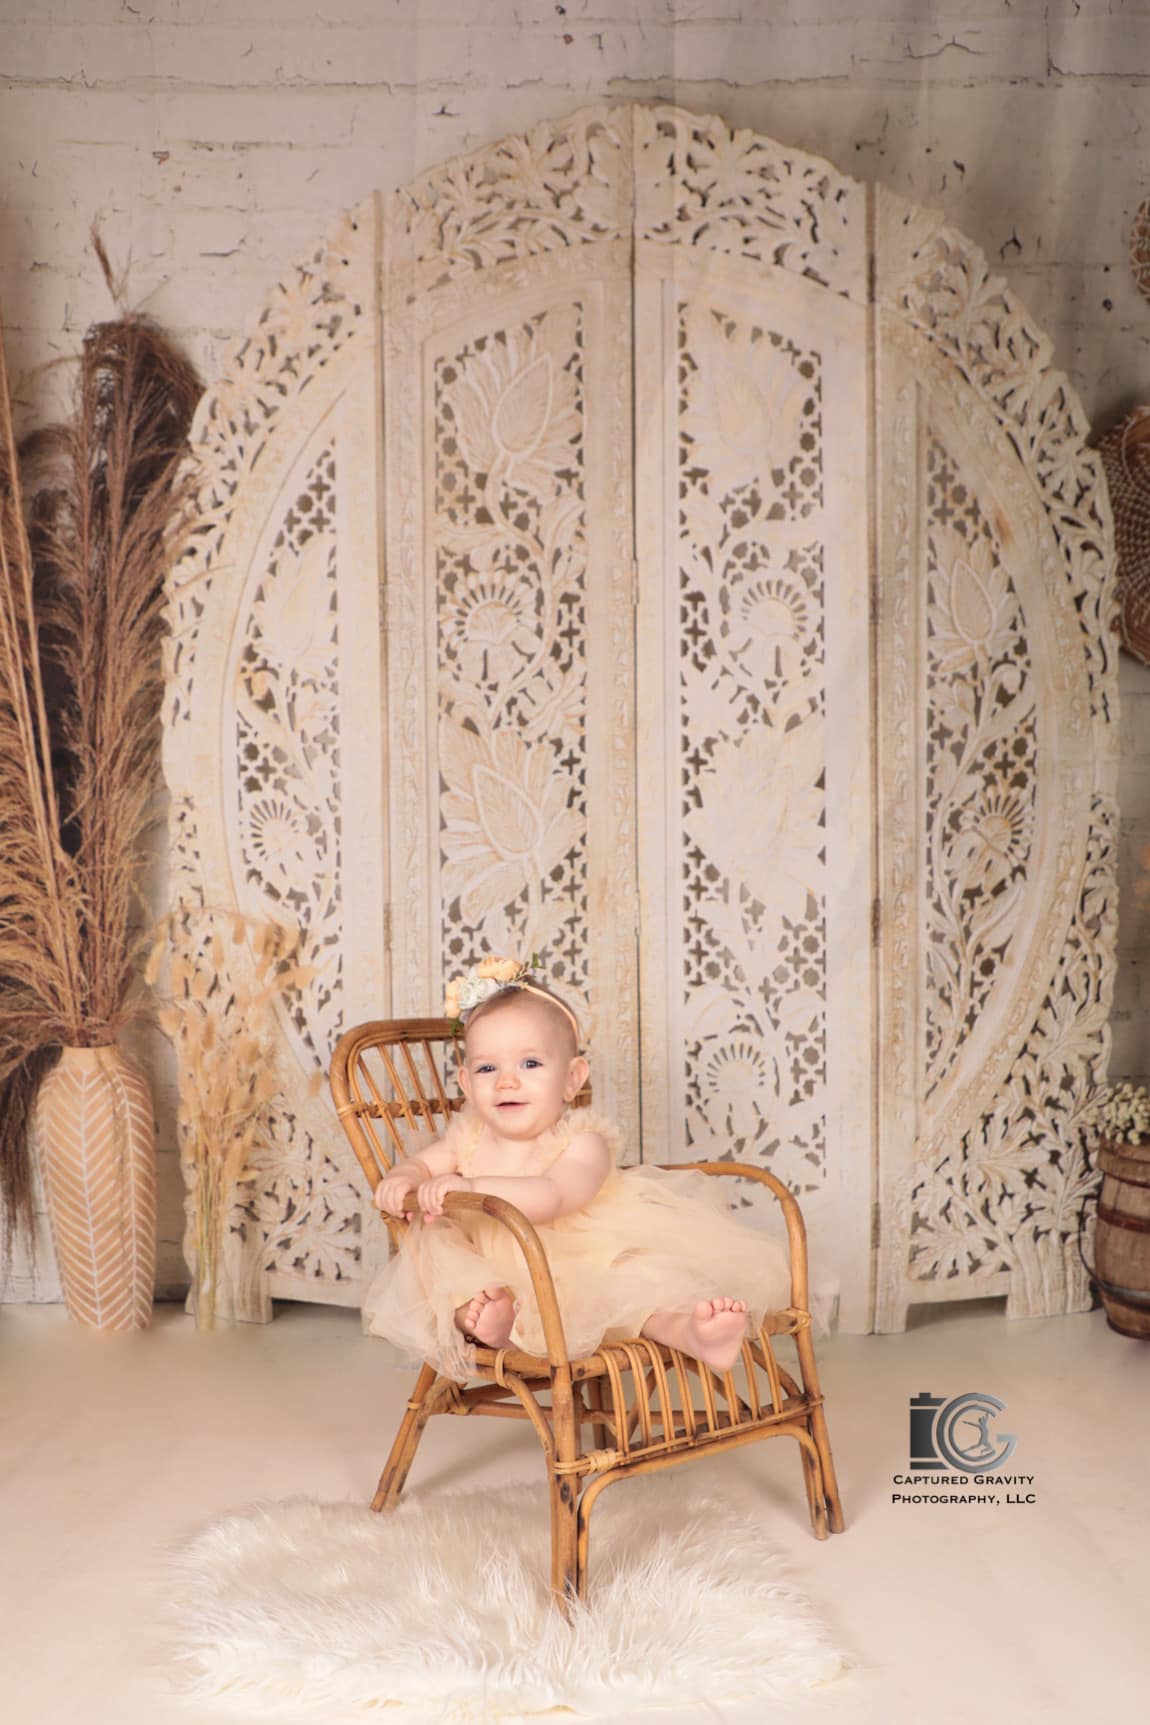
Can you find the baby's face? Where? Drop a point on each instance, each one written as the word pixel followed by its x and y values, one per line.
pixel 519 1073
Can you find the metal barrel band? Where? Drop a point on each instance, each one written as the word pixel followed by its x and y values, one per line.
pixel 1127 1296
pixel 1118 1219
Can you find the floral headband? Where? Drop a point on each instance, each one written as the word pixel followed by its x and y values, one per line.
pixel 492 976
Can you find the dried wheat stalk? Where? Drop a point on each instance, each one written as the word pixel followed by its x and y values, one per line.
pixel 220 1017
pixel 84 547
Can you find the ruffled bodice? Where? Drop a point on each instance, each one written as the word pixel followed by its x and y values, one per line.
pixel 466 1137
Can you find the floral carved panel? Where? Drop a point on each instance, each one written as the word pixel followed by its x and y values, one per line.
pixel 981 764
pixel 511 603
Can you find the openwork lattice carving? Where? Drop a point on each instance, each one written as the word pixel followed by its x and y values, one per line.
pixel 704 186
pixel 750 731
pixel 305 327
pixel 556 186
pixel 1008 1197
pixel 971 319
pixel 287 749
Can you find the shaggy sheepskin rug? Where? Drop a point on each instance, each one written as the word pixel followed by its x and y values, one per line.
pixel 324 1612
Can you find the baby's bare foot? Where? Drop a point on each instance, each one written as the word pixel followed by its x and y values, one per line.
pixel 489 1316
pixel 719 1327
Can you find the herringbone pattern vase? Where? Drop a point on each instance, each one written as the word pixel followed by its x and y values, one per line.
pixel 97 1140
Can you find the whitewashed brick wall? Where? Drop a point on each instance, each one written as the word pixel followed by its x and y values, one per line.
pixel 212 139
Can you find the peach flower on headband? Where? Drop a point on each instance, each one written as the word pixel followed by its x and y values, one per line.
pixel 500 969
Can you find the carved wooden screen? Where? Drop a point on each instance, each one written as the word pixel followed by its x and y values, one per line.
pixel 744 652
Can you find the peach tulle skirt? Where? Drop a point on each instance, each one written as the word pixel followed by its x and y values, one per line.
pixel 650 1240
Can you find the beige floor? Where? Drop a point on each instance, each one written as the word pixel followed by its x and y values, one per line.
pixel 111 1447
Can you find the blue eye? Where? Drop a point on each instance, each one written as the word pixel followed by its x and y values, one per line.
pixel 486 1067
pixel 531 1061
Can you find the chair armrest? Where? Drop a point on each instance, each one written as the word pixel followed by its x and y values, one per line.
pixel 792 1215
pixel 531 1246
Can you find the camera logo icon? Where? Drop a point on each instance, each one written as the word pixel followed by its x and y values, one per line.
pixel 956 1434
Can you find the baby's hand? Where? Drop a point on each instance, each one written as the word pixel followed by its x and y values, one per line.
pixel 393 1189
pixel 431 1193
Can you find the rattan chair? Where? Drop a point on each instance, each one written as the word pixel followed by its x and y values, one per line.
pixel 390 1074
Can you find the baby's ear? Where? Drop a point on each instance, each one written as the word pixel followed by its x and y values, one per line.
pixel 464 1077
pixel 577 1075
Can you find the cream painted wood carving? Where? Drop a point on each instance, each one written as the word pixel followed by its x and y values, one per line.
pixel 744 650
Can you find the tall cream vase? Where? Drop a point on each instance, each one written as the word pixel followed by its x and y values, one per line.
pixel 97 1145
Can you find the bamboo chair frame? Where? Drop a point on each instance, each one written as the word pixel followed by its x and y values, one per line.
pixel 622 1393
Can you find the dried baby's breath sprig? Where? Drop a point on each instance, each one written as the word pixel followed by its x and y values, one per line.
pixel 1122 1112
pixel 224 975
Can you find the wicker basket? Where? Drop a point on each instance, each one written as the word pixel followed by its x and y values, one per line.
pixel 1125 453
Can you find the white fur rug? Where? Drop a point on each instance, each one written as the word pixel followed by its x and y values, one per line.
pixel 324 1612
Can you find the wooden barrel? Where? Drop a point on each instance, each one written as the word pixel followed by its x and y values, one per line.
pixel 1122 1237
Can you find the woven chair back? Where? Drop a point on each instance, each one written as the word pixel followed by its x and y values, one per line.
pixel 394 1082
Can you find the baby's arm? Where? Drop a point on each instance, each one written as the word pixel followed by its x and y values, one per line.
pixel 437 1158
pixel 572 1181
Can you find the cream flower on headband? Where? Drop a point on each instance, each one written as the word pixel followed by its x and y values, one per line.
pixel 480 983
pixel 491 976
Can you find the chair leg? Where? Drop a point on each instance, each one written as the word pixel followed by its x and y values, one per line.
pixel 567 1569
pixel 394 1475
pixel 830 1482
pixel 568 1556
pixel 816 1499
pixel 817 1426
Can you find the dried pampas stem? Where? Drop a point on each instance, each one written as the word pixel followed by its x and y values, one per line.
pixel 101 518
pixel 39 959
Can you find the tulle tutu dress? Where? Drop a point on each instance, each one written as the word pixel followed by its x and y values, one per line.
pixel 649 1240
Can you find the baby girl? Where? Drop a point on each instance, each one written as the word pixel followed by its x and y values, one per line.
pixel 637 1250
